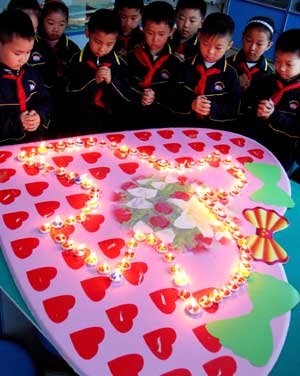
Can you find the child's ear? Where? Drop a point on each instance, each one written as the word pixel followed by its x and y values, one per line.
pixel 230 44
pixel 270 45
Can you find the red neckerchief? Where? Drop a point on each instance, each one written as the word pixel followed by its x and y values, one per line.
pixel 181 48
pixel 20 90
pixel 249 72
pixel 283 89
pixel 124 39
pixel 98 96
pixel 204 73
pixel 144 59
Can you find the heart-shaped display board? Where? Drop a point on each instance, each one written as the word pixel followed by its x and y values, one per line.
pixel 135 322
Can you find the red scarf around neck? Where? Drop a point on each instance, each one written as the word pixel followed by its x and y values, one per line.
pixel 283 89
pixel 249 72
pixel 20 89
pixel 204 73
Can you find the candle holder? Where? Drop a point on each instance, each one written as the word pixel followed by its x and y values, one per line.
pixel 116 276
pixel 45 228
pixel 193 309
pixel 103 268
pixel 57 223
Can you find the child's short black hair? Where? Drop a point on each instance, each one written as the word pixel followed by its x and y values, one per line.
pixel 217 24
pixel 105 20
pixel 15 23
pixel 131 4
pixel 289 41
pixel 263 22
pixel 159 11
pixel 55 6
pixel 192 4
pixel 25 5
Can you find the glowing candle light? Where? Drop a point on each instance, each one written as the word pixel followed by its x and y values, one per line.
pixel 124 149
pixel 113 145
pixel 151 239
pixel 228 160
pixel 29 162
pixel 60 171
pixel 70 143
pixel 184 294
pixel 79 142
pixel 68 245
pixel 92 203
pixel 124 264
pixel 174 268
pixel 22 156
pixel 60 238
pixel 91 141
pixel 50 147
pixel 57 223
pixel 201 162
pixel 162 248
pixel 80 217
pixel 45 228
pixel 133 152
pixel 70 220
pixel 152 159
pixel 205 301
pixel 139 236
pixel 60 145
pixel 41 163
pixel 216 296
pixel 70 176
pixel 86 183
pixel 81 251
pixel 192 308
pixel 92 259
pixel 162 163
pixel 42 149
pixel 132 243
pixel 181 278
pixel 143 155
pixel 103 143
pixel 130 254
pixel 169 257
pixel 103 268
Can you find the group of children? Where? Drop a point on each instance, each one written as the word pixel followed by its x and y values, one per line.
pixel 146 67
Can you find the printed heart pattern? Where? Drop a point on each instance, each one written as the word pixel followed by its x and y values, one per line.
pixel 47 208
pixel 222 148
pixel 77 201
pixel 15 220
pixel 129 167
pixel 238 141
pixel 216 136
pixel 147 149
pixel 244 160
pixel 122 316
pixel 143 136
pixel 63 160
pixel 112 247
pixel 40 278
pixel 6 174
pixel 224 365
pixel 165 299
pixel 207 291
pixel 93 222
pixel 160 342
pixel 167 134
pixel 95 287
pixel 197 146
pixel 23 247
pixel 4 155
pixel 115 137
pixel 86 341
pixel 184 160
pixel 65 182
pixel 126 365
pixel 91 157
pixel 7 196
pixel 210 342
pixel 173 147
pixel 31 170
pixel 135 275
pixel 58 307
pixel 258 153
pixel 99 173
pixel 191 133
pixel 36 188
pixel 72 260
pixel 178 372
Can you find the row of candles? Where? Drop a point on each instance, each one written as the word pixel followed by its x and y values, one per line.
pixel 212 200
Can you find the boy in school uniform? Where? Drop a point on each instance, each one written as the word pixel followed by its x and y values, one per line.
pixel 98 87
pixel 189 17
pixel 272 101
pixel 130 12
pixel 210 91
pixel 24 102
pixel 153 68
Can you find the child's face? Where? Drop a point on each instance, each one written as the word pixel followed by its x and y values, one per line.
pixel 287 64
pixel 188 22
pixel 15 54
pixel 255 43
pixel 54 25
pixel 156 35
pixel 101 43
pixel 130 18
pixel 214 47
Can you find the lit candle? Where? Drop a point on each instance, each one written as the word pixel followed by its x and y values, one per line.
pixel 162 163
pixel 60 171
pixel 29 162
pixel 130 254
pixel 124 149
pixel 70 176
pixel 201 162
pixel 181 278
pixel 193 309
pixel 103 143
pixel 91 141
pixel 86 183
pixel 70 143
pixel 22 156
pixel 40 163
pixel 152 159
pixel 60 238
pixel 57 223
pixel 184 294
pixel 205 301
pixel 79 142
pixel 161 248
pixel 227 160
pixel 139 236
pixel 151 239
pixel 92 203
pixel 216 296
pixel 169 257
pixel 60 145
pixel 80 217
pixel 81 251
pixel 92 259
pixel 133 152
pixel 42 149
pixel 143 155
pixel 50 147
pixel 68 245
pixel 70 220
pixel 45 228
pixel 103 268
pixel 124 264
pixel 116 276
pixel 113 145
pixel 174 268
pixel 132 243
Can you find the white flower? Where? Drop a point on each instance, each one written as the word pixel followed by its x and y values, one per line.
pixel 158 185
pixel 142 227
pixel 143 192
pixel 167 235
pixel 171 179
pixel 139 203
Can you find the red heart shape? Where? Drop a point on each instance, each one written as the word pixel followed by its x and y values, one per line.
pixel 143 136
pixel 62 160
pixel 95 287
pixel 160 342
pixel 210 342
pixel 115 137
pixel 216 136
pixel 47 208
pixel 166 134
pixel 207 291
pixel 58 307
pixel 238 141
pixel 198 146
pixel 65 182
pixel 191 133
pixel 173 147
pixel 77 201
pixel 31 170
pixel 183 160
pixel 91 157
pixel 99 172
pixel 37 188
pixel 222 148
pixel 15 220
pixel 224 365
pixel 129 168
pixel 40 278
pixel 258 153
pixel 178 372
pixel 4 155
pixel 112 247
pixel 165 299
pixel 23 247
pixel 121 317
pixel 126 365
pixel 135 275
pixel 73 261
pixel 6 174
pixel 244 160
pixel 93 222
pixel 86 341
pixel 7 196
pixel 147 149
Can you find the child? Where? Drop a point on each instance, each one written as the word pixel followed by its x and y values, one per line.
pixel 98 87
pixel 153 68
pixel 273 101
pixel 250 62
pixel 130 12
pixel 189 17
pixel 211 91
pixel 24 102
pixel 30 7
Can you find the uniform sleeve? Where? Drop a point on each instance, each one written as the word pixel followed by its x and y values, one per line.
pixel 11 128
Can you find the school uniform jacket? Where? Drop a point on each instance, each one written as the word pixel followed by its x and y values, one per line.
pixel 36 97
pixel 219 83
pixel 127 43
pixel 187 48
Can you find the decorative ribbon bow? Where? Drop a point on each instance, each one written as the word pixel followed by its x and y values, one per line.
pixel 262 244
pixel 250 336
